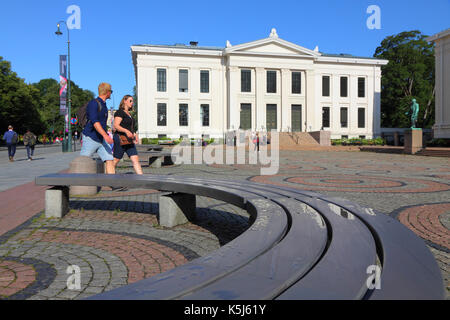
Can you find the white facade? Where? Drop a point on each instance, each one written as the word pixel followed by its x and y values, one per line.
pixel 226 98
pixel 442 107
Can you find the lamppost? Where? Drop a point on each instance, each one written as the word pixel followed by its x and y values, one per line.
pixel 58 32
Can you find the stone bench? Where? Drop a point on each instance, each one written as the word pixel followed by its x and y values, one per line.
pixel 300 245
pixel 156 159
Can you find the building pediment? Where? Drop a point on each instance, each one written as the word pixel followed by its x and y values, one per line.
pixel 271 46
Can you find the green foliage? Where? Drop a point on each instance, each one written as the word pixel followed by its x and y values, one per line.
pixel 409 74
pixel 34 106
pixel 49 103
pixel 18 102
pixel 444 143
pixel 358 142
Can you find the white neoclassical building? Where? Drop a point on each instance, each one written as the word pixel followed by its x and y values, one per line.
pixel 442 109
pixel 194 91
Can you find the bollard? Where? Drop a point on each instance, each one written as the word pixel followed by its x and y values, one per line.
pixel 84 164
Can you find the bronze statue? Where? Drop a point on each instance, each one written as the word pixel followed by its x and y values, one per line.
pixel 414 111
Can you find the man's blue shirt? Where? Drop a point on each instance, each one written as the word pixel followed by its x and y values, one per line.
pixel 8 136
pixel 94 116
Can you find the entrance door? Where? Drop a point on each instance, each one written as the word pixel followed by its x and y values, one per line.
pixel 271 117
pixel 296 117
pixel 246 116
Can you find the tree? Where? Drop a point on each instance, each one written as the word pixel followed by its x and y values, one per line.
pixel 409 74
pixel 48 90
pixel 18 102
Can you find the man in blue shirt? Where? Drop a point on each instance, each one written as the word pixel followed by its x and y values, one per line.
pixel 11 139
pixel 95 136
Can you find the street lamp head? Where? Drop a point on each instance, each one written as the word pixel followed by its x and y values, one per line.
pixel 58 32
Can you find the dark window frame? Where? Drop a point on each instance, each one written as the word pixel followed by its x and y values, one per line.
pixel 161 110
pixel 246 80
pixel 344 86
pixel 326 81
pixel 204 82
pixel 326 117
pixel 202 114
pixel 361 117
pixel 183 119
pixel 361 87
pixel 181 80
pixel 296 83
pixel 247 106
pixel 161 80
pixel 271 81
pixel 344 122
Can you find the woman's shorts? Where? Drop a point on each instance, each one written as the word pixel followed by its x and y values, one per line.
pixel 119 150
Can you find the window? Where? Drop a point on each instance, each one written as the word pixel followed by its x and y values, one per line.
pixel 325 86
pixel 183 80
pixel 362 137
pixel 162 114
pixel 271 82
pixel 271 117
pixel 296 82
pixel 246 81
pixel 344 87
pixel 325 117
pixel 246 116
pixel 344 137
pixel 361 117
pixel 183 115
pixel 361 87
pixel 161 80
pixel 204 81
pixel 344 117
pixel 204 114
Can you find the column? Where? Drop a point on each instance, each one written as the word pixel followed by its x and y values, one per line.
pixel 310 112
pixel 260 108
pixel 285 89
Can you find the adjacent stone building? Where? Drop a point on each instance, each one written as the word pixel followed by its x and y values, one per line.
pixel 442 102
pixel 194 91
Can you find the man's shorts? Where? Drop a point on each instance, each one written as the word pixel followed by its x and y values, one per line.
pixel 120 150
pixel 90 147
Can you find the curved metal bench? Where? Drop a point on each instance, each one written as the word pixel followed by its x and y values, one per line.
pixel 301 245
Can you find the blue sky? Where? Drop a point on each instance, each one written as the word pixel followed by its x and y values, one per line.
pixel 100 49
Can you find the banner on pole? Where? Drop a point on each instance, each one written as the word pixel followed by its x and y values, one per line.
pixel 63 85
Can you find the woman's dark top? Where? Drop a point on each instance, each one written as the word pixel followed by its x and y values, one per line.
pixel 127 121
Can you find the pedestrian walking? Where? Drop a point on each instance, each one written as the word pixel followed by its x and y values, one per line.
pixel 256 141
pixel 125 137
pixel 29 140
pixel 11 138
pixel 95 136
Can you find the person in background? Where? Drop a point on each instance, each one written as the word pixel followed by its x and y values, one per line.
pixel 29 140
pixel 95 136
pixel 124 130
pixel 11 139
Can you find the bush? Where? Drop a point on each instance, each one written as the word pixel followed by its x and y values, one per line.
pixel 443 143
pixel 358 142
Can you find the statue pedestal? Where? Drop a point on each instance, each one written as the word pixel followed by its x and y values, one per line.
pixel 413 141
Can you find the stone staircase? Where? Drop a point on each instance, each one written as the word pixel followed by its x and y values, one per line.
pixel 435 152
pixel 292 139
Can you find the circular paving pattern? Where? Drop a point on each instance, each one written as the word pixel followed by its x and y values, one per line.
pixel 353 183
pixel 14 277
pixel 425 221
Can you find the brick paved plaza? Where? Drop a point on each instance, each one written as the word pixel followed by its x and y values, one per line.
pixel 115 239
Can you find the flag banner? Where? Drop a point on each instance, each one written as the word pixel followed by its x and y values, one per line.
pixel 63 84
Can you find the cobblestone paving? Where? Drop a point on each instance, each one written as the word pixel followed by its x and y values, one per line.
pixel 114 237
